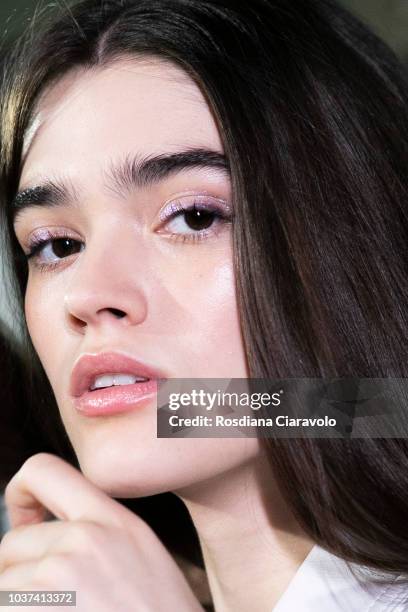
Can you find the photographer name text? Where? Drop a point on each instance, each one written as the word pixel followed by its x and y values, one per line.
pixel 249 421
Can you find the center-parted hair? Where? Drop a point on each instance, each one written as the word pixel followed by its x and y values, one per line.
pixel 312 109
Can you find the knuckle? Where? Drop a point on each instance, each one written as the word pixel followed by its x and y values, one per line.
pixel 9 487
pixel 86 536
pixel 6 541
pixel 37 461
pixel 31 464
pixel 140 527
pixel 54 570
pixel 9 539
pixel 129 520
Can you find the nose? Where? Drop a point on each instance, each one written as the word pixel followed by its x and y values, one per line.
pixel 106 286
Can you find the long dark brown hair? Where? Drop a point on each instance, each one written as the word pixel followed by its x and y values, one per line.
pixel 312 109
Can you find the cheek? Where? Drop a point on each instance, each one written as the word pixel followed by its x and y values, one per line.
pixel 44 326
pixel 219 300
pixel 214 333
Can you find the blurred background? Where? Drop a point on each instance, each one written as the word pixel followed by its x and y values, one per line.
pixel 388 18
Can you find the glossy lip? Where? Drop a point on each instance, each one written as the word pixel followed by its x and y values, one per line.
pixel 115 399
pixel 90 365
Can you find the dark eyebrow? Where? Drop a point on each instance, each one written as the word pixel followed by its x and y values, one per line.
pixel 49 193
pixel 121 177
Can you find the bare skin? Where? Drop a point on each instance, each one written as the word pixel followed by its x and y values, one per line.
pixel 178 296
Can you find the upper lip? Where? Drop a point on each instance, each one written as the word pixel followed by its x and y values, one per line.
pixel 90 365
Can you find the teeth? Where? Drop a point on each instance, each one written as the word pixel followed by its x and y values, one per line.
pixel 110 380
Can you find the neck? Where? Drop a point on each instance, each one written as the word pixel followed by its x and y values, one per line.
pixel 251 544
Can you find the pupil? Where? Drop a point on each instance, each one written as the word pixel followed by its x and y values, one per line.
pixel 62 247
pixel 199 219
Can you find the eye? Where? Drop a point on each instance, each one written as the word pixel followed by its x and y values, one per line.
pixel 48 250
pixel 196 220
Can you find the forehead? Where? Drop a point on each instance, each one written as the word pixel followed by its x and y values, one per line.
pixel 91 116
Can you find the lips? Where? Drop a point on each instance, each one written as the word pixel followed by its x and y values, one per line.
pixel 90 366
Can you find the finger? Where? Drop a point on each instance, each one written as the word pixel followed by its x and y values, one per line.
pixel 27 543
pixel 47 483
pixel 18 576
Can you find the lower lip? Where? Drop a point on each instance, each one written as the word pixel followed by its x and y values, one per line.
pixel 117 399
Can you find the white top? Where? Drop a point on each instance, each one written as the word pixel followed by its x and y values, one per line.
pixel 325 583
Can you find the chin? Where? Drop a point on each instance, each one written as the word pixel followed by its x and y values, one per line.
pixel 122 477
pixel 119 485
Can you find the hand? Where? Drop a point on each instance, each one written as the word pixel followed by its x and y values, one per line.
pixel 96 547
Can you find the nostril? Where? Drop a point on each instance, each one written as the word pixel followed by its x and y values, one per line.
pixel 118 313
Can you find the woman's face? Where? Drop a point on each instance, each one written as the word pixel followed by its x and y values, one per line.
pixel 131 250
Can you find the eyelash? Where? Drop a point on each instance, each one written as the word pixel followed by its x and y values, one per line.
pixel 176 209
